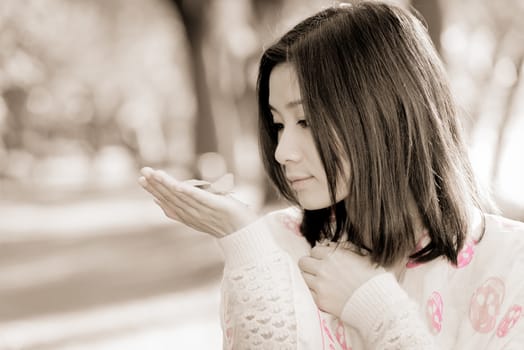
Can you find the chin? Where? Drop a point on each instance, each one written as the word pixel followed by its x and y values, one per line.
pixel 314 203
pixel 317 200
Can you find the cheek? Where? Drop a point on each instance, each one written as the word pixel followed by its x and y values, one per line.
pixel 321 189
pixel 315 197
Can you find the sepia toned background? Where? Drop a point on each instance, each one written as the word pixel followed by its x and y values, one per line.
pixel 93 90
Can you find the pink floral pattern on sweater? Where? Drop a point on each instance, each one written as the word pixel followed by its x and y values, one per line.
pixel 485 305
pixel 291 223
pixel 330 342
pixel 509 320
pixel 435 311
pixel 466 254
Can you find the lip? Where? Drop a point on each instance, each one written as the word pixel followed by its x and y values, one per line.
pixel 298 182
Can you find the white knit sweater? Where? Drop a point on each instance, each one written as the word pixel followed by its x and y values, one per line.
pixel 474 305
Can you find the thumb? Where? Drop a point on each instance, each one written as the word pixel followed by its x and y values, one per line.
pixel 321 251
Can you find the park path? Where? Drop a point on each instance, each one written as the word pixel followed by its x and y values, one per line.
pixel 105 272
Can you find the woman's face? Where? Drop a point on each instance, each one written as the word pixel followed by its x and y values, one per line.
pixel 296 150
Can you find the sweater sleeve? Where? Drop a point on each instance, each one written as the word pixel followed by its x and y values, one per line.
pixel 265 302
pixel 385 316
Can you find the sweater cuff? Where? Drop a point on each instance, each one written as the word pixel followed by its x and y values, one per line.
pixel 251 243
pixel 371 301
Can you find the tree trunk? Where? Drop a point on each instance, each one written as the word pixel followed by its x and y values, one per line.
pixel 192 14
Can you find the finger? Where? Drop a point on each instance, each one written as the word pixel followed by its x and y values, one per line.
pixel 193 206
pixel 202 191
pixel 156 179
pixel 167 189
pixel 309 265
pixel 146 185
pixel 310 281
pixel 320 251
pixel 172 214
pixel 185 210
pixel 189 194
pixel 185 216
pixel 185 204
pixel 198 198
pixel 146 180
pixel 172 206
pixel 180 198
pixel 142 181
pixel 165 179
pixel 152 187
pixel 164 185
pixel 147 171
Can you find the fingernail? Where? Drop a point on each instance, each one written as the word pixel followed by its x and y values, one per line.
pixel 142 181
pixel 158 176
pixel 146 171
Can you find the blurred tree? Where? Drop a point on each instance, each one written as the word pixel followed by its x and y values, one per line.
pixel 484 40
pixel 194 15
pixel 505 72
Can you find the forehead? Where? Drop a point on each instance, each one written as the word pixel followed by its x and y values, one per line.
pixel 283 85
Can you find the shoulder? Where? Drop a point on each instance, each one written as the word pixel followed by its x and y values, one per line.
pixel 287 219
pixel 502 231
pixel 285 228
pixel 504 224
pixel 497 276
pixel 501 249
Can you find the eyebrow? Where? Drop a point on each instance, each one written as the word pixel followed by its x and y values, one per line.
pixel 288 105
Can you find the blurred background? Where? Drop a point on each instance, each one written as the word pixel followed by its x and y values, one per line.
pixel 93 90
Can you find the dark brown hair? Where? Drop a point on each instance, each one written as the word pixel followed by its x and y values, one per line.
pixel 370 78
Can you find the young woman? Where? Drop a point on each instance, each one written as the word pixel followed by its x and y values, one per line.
pixel 388 244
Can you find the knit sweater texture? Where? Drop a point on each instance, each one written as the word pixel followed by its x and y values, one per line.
pixel 476 304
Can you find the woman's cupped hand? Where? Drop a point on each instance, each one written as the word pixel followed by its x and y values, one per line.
pixel 202 210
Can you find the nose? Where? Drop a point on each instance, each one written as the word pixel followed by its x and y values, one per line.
pixel 288 148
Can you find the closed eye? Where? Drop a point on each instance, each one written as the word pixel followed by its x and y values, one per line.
pixel 303 123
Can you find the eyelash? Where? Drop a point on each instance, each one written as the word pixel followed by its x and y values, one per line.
pixel 279 126
pixel 304 123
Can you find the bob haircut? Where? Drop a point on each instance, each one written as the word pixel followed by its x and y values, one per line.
pixel 371 79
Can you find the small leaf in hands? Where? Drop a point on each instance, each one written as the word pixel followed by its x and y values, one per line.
pixel 223 185
pixel 197 183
